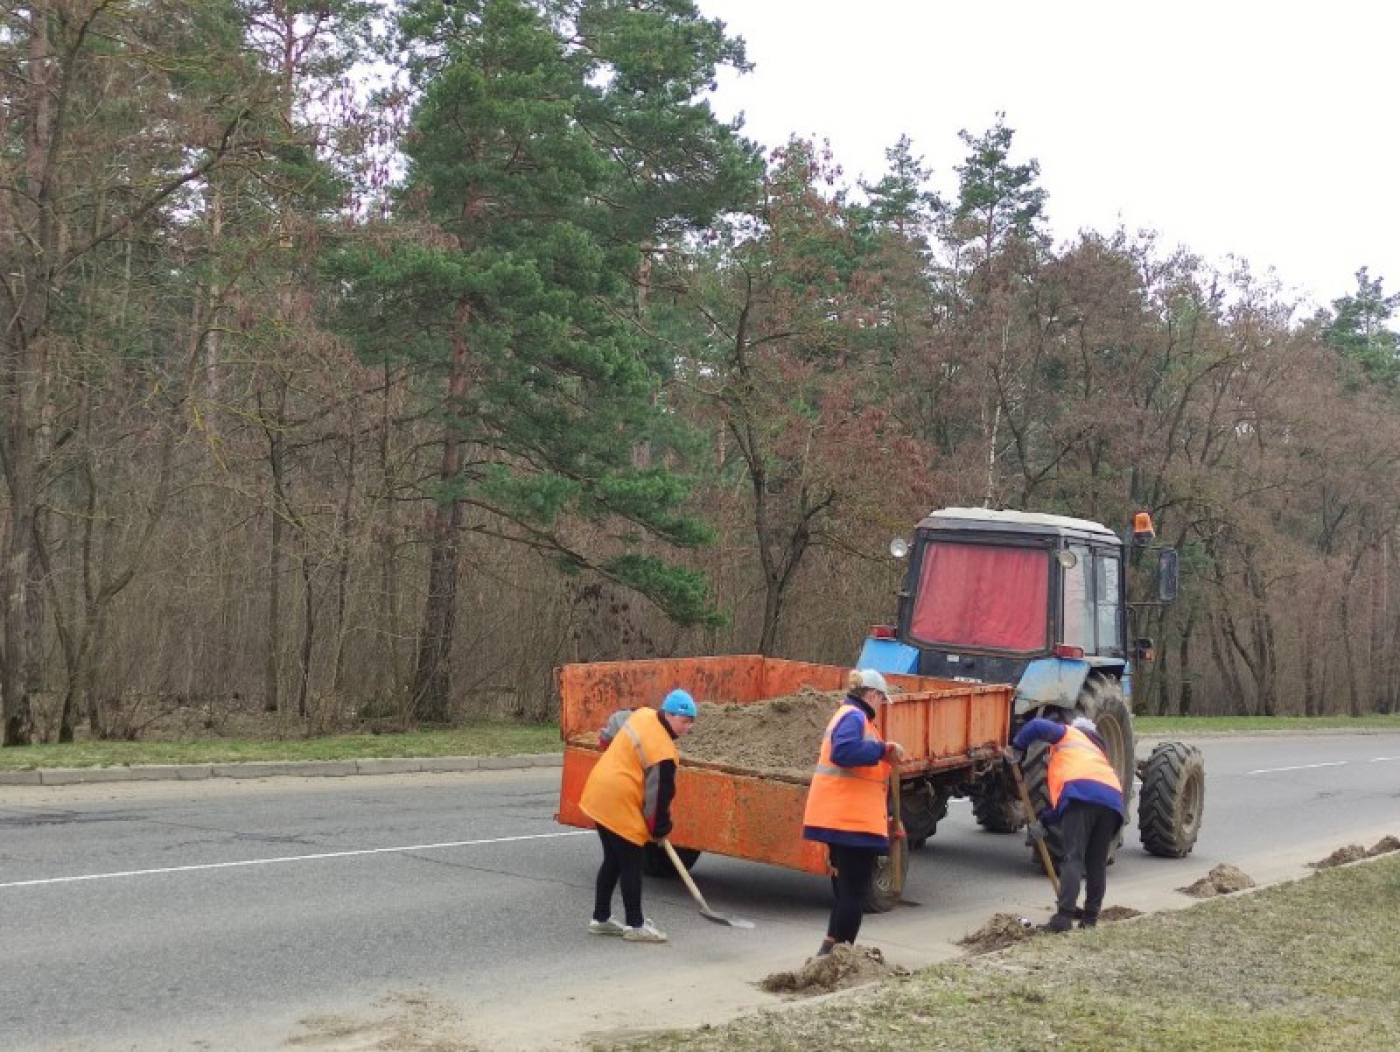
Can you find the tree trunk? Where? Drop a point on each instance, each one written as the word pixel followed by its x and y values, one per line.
pixel 431 693
pixel 271 689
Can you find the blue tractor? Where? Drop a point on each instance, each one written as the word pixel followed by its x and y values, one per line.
pixel 1041 602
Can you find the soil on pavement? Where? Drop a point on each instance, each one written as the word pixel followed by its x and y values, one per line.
pixel 843 967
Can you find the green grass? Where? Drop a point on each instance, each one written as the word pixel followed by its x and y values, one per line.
pixel 1308 966
pixel 477 739
pixel 506 739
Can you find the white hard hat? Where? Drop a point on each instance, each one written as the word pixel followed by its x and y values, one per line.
pixel 869 679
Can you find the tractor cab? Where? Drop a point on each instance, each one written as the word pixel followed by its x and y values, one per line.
pixel 1040 602
pixel 1011 597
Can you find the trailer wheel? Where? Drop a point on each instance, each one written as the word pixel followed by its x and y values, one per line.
pixel 882 897
pixel 921 807
pixel 1173 800
pixel 656 864
pixel 994 804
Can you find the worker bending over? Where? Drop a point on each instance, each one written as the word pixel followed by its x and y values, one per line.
pixel 628 795
pixel 1086 802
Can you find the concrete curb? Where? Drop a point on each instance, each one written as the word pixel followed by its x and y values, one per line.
pixel 277 769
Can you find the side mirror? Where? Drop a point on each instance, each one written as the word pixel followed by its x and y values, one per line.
pixel 1166 575
pixel 1143 650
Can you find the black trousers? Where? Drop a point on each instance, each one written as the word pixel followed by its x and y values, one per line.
pixel 855 869
pixel 622 864
pixel 1087 831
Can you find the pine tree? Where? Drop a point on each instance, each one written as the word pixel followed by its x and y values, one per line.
pixel 555 146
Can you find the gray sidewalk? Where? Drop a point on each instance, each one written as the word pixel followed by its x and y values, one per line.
pixel 194 772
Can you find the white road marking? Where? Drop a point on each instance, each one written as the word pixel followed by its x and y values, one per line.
pixel 1384 759
pixel 1301 767
pixel 286 858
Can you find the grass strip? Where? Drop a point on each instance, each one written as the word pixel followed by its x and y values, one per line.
pixel 477 739
pixel 1309 965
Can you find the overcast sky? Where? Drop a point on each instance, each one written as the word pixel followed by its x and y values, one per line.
pixel 1267 131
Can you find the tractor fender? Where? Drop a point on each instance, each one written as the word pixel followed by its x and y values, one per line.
pixel 1059 681
pixel 888 655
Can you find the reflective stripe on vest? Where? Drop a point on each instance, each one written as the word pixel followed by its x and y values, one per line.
pixel 851 799
pixel 1075 758
pixel 622 789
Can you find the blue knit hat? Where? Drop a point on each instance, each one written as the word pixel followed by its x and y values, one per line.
pixel 679 703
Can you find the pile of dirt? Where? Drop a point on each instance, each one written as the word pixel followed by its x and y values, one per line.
pixel 1222 880
pixel 845 966
pixel 1109 914
pixel 779 737
pixel 1384 846
pixel 1340 857
pixel 1001 931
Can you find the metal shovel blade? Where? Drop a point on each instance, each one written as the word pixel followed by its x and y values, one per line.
pixel 705 911
pixel 720 918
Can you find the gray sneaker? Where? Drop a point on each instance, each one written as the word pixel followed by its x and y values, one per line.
pixel 648 932
pixel 607 927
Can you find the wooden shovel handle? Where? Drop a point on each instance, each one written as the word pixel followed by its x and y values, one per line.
pixel 685 875
pixel 1026 805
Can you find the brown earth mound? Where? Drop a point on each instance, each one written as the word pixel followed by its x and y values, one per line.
pixel 1002 930
pixel 843 967
pixel 779 736
pixel 1109 914
pixel 1383 846
pixel 1340 857
pixel 1222 880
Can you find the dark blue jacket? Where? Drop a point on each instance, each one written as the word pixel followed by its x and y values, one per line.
pixel 1083 790
pixel 849 748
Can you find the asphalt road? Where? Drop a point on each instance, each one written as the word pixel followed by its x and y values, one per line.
pixel 393 912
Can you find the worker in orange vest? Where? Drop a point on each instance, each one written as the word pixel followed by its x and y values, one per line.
pixel 628 795
pixel 1086 802
pixel 846 804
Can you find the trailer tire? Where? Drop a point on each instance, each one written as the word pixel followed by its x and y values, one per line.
pixel 922 807
pixel 1173 800
pixel 656 864
pixel 883 897
pixel 995 805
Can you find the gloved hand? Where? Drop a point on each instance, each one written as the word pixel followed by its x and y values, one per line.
pixel 1036 829
pixel 1012 755
pixel 894 752
pixel 661 830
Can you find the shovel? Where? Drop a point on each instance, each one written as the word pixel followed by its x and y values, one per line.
pixel 899 844
pixel 705 911
pixel 1030 817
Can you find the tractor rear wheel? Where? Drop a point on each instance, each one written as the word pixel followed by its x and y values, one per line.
pixel 1173 800
pixel 1102 701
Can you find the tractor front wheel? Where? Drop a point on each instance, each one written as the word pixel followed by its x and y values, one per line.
pixel 1173 800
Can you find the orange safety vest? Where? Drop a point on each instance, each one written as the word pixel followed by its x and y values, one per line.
pixel 848 798
pixel 621 789
pixel 1075 758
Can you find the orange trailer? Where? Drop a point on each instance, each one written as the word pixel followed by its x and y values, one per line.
pixel 951 731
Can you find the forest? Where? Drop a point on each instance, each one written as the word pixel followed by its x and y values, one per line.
pixel 368 361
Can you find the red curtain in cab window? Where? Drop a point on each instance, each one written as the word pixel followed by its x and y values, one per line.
pixel 973 595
